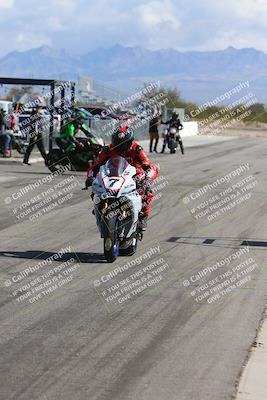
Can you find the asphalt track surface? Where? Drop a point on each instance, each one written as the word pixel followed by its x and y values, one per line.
pixel 162 344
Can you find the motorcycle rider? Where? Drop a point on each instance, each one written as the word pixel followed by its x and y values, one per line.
pixel 123 144
pixel 174 122
pixel 67 139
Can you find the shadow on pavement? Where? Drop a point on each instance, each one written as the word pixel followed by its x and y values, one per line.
pixel 39 255
pixel 43 173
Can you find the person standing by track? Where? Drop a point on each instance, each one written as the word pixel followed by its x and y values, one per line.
pixel 36 125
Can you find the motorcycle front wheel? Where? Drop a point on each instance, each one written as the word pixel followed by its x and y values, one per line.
pixel 111 245
pixel 111 249
pixel 20 147
pixel 172 149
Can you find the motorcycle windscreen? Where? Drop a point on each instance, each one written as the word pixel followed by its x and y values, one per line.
pixel 115 166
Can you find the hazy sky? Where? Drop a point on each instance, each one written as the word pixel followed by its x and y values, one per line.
pixel 82 25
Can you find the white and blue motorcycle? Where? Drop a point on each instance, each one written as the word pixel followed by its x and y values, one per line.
pixel 117 207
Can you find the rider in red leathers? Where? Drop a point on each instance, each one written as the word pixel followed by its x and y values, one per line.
pixel 123 144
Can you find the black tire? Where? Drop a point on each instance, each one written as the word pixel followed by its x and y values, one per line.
pixel 55 160
pixel 111 248
pixel 111 252
pixel 21 149
pixel 172 147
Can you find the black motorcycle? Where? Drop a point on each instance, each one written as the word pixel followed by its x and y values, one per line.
pixel 79 159
pixel 18 143
pixel 173 139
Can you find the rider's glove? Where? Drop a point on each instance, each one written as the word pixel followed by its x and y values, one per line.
pixel 140 177
pixel 149 175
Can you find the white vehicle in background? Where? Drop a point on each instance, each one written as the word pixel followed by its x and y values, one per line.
pixel 6 106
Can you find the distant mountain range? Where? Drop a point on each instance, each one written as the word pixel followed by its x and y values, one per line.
pixel 200 76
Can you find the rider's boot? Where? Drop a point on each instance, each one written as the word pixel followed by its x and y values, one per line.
pixel 181 147
pixel 143 222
